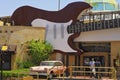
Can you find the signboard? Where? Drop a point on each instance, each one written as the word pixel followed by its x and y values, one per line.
pixel 4 48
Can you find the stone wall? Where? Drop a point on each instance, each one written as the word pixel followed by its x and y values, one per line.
pixel 18 35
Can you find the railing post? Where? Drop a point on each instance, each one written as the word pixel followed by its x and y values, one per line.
pixel 18 75
pixel 70 71
pixel 37 75
pixel 113 73
pixel 84 70
pixel 48 74
pixel 59 71
pixel 63 76
pixel 115 78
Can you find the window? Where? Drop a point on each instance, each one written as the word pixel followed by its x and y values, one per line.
pixel 95 47
pixel 58 64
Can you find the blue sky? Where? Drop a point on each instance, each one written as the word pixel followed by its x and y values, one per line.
pixel 9 6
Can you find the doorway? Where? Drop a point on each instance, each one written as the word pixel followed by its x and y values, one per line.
pixel 87 59
pixel 6 61
pixel 102 56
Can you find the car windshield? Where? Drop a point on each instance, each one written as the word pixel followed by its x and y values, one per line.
pixel 47 64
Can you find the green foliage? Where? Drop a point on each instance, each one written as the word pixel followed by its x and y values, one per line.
pixel 27 64
pixel 15 73
pixel 39 51
pixel 24 64
pixel 19 63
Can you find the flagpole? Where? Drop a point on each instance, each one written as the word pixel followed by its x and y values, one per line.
pixel 58 4
pixel 118 5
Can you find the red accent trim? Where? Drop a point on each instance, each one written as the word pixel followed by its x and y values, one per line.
pixel 71 43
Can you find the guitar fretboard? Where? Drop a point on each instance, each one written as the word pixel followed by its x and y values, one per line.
pixel 91 24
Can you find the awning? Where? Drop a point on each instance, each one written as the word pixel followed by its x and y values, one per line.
pixel 11 48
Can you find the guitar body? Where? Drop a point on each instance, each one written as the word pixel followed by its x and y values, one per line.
pixel 56 23
pixel 56 34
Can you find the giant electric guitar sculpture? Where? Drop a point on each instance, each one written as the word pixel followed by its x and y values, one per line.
pixel 56 23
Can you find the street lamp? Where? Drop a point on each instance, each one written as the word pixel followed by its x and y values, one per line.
pixel 4 48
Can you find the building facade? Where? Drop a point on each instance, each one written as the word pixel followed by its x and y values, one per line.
pixel 104 5
pixel 76 37
pixel 15 37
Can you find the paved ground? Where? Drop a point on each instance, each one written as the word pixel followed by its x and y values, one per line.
pixel 82 78
pixel 77 78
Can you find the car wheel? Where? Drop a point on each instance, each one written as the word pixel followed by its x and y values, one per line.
pixel 62 74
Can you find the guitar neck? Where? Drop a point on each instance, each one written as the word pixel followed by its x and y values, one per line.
pixel 93 25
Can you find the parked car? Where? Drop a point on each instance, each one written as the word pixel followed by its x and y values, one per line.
pixel 49 68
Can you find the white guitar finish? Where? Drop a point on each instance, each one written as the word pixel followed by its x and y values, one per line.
pixel 56 34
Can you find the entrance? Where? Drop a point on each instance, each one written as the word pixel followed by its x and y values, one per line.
pixel 87 59
pixel 6 61
pixel 103 57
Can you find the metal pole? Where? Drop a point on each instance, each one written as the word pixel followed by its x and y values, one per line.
pixel 58 4
pixel 1 77
pixel 4 48
pixel 118 5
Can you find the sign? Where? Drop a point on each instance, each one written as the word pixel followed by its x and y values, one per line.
pixel 4 48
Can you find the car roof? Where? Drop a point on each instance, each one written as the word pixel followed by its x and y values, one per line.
pixel 51 61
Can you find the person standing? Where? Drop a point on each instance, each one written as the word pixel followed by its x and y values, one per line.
pixel 92 68
pixel 97 64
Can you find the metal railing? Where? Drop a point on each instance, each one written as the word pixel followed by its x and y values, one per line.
pixel 109 72
pixel 75 72
pixel 96 21
pixel 25 76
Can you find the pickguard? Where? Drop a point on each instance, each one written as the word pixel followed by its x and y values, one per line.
pixel 56 33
